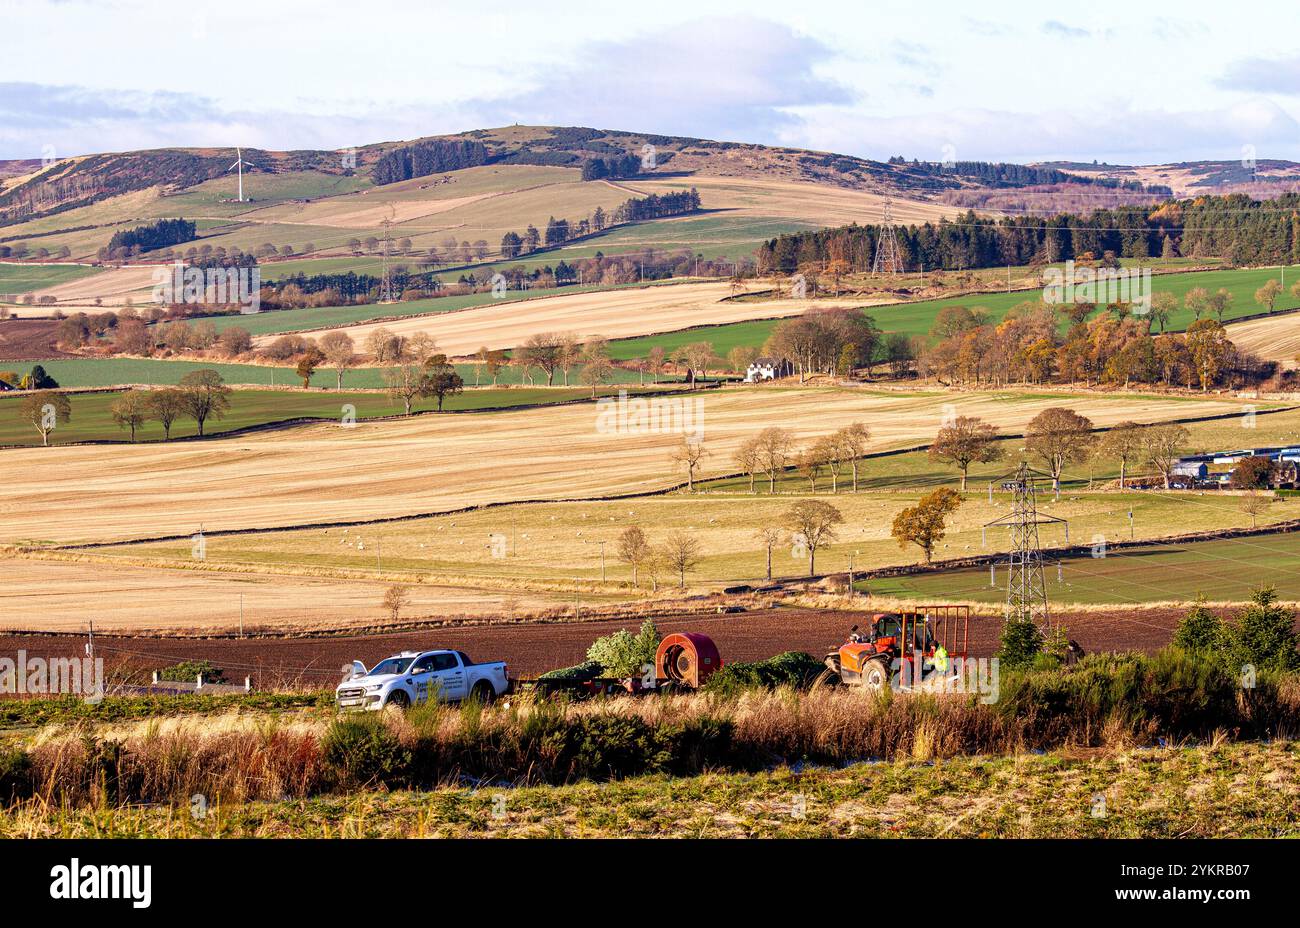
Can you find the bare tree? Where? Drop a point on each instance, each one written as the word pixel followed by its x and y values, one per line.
pixel 1254 505
pixel 396 598
pixel 1127 443
pixel 769 537
pixel 422 347
pixel 131 410
pixel 809 463
pixel 773 445
pixel 811 523
pixel 852 441
pixel 633 550
pixel 166 406
pixel 596 366
pixel 406 383
pixel 830 453
pixel 385 347
pixel 340 353
pixel 687 457
pixel 746 458
pixel 205 396
pixel 1163 446
pixel 545 350
pixel 45 409
pixel 681 553
pixel 656 359
pixel 569 354
pixel 699 356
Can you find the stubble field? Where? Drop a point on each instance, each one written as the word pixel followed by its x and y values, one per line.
pixel 383 470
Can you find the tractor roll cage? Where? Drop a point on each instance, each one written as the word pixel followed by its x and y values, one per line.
pixel 949 625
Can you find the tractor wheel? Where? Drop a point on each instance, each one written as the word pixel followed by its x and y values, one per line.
pixel 875 675
pixel 825 680
pixel 398 700
pixel 482 693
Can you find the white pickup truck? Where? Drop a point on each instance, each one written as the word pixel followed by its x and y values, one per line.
pixel 417 676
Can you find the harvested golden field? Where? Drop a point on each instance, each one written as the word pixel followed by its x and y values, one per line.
pixel 429 464
pixel 776 199
pixel 474 203
pixel 113 286
pixel 1275 339
pixel 610 314
pixel 59 596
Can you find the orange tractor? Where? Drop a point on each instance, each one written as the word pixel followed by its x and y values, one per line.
pixel 900 647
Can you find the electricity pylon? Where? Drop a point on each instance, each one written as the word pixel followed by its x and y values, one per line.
pixel 1026 586
pixel 386 286
pixel 889 260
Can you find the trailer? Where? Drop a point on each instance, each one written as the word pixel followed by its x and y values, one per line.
pixel 683 662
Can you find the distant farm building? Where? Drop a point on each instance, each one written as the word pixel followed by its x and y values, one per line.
pixel 768 369
pixel 1197 467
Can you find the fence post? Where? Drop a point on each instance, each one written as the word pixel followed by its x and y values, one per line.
pixel 199 684
pixel 155 676
pixel 248 684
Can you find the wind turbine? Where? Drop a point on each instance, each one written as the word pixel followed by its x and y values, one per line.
pixel 239 163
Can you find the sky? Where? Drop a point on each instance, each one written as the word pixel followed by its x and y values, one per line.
pixel 1010 81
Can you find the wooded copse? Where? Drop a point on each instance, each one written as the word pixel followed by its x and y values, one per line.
pixel 1236 227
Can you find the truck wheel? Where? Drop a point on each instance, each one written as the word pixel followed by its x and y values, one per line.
pixel 399 700
pixel 875 675
pixel 482 693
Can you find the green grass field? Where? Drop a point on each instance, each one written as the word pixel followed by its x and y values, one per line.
pixel 918 318
pixel 110 372
pixel 25 278
pixel 92 421
pixel 1228 569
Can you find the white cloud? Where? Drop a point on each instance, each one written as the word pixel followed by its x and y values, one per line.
pixel 735 78
pixel 1263 75
pixel 1139 136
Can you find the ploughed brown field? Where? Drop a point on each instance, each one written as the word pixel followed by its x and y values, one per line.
pixel 533 648
pixel 28 339
pixel 428 464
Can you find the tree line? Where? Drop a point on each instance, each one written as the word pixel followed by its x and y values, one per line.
pixel 1242 229
pixel 201 395
pixel 1113 347
pixel 1002 174
pixel 634 209
pixel 425 158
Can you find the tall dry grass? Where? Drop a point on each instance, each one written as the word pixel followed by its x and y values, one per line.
pixel 1111 701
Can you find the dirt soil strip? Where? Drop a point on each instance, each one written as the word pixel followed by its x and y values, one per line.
pixel 530 649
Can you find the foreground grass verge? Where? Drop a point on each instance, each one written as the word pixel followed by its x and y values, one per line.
pixel 1225 790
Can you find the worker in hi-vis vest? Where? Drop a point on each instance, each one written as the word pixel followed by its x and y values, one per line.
pixel 940 662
